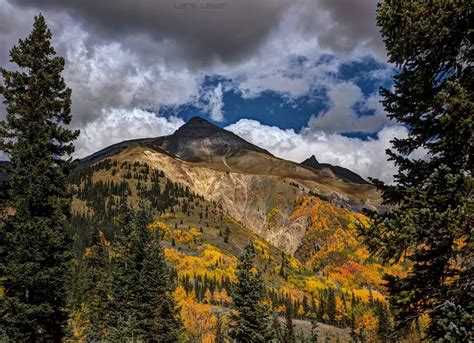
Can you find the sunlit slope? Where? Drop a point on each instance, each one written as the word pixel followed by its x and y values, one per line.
pixel 199 143
pixel 303 229
pixel 252 198
pixel 278 214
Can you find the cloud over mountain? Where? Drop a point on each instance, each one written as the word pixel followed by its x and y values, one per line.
pixel 128 60
pixel 365 157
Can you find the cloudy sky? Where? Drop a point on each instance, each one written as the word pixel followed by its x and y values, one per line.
pixel 297 77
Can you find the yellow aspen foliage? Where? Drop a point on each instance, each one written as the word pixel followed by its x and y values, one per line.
pixel 208 297
pixel 185 237
pixel 293 292
pixel 262 249
pixel 222 297
pixel 313 284
pixel 172 255
pixel 294 263
pixel 180 295
pixel 362 254
pixel 161 227
pixel 197 318
pixel 368 323
pixel 78 324
pixel 364 295
pixel 300 311
pixel 340 308
pixel 209 260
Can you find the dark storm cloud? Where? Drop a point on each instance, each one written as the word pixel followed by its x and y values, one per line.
pixel 11 28
pixel 228 33
pixel 343 25
pixel 356 22
pixel 125 59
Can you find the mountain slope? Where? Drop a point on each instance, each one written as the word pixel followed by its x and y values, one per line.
pixel 206 145
pixel 338 172
pixel 247 181
pixel 212 192
pixel 306 244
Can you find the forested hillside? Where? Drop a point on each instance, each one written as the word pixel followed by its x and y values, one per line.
pixel 330 277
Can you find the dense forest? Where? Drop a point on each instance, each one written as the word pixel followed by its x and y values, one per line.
pixel 206 288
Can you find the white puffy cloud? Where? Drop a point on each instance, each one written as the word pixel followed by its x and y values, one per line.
pixel 216 103
pixel 365 157
pixel 109 76
pixel 287 63
pixel 341 117
pixel 118 124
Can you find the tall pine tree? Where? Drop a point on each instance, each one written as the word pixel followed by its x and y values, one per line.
pixel 431 224
pixel 142 307
pixel 289 335
pixel 94 288
pixel 34 245
pixel 251 321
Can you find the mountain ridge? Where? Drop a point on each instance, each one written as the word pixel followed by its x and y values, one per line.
pixel 198 140
pixel 201 141
pixel 341 172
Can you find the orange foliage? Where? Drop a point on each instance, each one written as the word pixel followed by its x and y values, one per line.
pixel 332 247
pixel 368 323
pixel 197 317
pixel 222 298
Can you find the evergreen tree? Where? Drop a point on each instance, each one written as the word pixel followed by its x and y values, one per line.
pixel 127 249
pixel 94 289
pixel 161 315
pixel 289 335
pixel 219 331
pixel 431 44
pixel 144 308
pixel 383 323
pixel 35 244
pixel 250 318
pixel 331 306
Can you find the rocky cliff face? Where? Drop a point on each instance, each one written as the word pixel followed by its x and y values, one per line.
pixel 254 187
pixel 263 203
